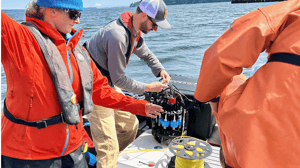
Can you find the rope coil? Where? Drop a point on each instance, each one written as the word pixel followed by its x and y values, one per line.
pixel 189 151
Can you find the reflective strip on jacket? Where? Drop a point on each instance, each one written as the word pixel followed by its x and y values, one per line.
pixel 259 121
pixel 31 94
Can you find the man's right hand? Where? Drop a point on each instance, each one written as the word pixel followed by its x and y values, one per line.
pixel 155 87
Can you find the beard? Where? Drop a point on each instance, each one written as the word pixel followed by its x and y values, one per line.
pixel 144 28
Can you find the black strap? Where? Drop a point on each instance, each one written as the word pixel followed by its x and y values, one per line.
pixel 128 53
pixel 226 166
pixel 44 123
pixel 215 100
pixel 286 58
pixel 103 71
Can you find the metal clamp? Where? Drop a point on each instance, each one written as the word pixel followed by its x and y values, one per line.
pixel 62 118
pixel 41 124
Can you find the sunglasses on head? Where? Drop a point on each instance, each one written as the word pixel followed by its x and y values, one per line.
pixel 154 25
pixel 73 14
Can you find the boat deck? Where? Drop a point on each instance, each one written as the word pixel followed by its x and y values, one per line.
pixel 141 150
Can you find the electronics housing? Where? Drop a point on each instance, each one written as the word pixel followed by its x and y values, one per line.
pixel 183 114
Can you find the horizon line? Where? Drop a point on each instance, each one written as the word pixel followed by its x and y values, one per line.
pixel 83 7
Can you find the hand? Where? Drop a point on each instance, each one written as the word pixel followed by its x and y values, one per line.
pixel 152 110
pixel 155 87
pixel 165 76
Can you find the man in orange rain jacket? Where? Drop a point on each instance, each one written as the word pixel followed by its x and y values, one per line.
pixel 259 117
pixel 33 96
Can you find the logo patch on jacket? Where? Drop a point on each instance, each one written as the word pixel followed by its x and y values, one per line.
pixel 80 56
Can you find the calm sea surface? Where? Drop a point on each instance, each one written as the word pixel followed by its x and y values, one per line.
pixel 180 49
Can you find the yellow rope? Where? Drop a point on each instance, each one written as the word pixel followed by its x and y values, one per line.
pixel 128 151
pixel 184 163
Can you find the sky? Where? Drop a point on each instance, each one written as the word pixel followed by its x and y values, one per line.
pixel 21 4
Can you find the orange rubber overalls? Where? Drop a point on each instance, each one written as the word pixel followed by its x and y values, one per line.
pixel 259 117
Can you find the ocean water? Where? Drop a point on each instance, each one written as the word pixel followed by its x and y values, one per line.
pixel 194 27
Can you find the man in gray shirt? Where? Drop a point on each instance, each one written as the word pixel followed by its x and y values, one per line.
pixel 110 48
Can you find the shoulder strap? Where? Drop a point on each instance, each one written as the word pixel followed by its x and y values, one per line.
pixel 140 42
pixel 129 48
pixel 130 42
pixel 63 88
pixel 86 75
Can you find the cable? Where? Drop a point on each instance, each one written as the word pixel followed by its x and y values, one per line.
pixel 128 151
pixel 182 93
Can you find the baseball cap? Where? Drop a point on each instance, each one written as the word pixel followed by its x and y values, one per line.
pixel 157 10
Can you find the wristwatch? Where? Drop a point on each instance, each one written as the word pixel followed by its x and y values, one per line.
pixel 215 100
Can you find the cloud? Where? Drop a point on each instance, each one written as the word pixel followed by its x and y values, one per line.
pixel 98 4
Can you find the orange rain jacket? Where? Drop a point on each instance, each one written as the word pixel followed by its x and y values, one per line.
pixel 259 121
pixel 31 94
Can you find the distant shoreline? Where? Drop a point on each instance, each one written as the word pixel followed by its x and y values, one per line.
pixel 11 9
pixel 253 1
pixel 179 2
pixel 84 8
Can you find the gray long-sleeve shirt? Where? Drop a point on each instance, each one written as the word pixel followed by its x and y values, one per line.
pixel 108 48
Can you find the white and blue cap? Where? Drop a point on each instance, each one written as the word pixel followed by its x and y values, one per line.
pixel 157 10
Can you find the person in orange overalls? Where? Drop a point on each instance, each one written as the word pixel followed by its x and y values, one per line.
pixel 37 131
pixel 259 117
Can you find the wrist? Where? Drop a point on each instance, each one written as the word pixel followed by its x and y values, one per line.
pixel 147 88
pixel 160 73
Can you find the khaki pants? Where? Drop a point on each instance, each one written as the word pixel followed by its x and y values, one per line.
pixel 112 130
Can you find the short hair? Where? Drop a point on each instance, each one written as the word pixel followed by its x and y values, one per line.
pixel 34 11
pixel 138 10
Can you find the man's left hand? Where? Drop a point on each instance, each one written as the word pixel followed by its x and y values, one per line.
pixel 165 76
pixel 153 110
